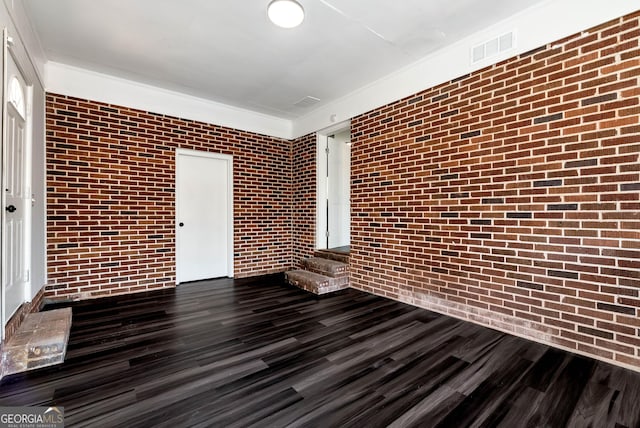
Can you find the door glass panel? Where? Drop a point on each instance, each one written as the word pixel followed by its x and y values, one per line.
pixel 16 96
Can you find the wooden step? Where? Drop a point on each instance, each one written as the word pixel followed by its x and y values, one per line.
pixel 326 267
pixel 41 340
pixel 316 283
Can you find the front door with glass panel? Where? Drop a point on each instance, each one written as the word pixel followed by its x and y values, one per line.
pixel 15 270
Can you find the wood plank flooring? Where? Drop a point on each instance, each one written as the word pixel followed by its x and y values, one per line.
pixel 257 352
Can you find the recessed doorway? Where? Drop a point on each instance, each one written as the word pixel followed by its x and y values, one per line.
pixel 333 218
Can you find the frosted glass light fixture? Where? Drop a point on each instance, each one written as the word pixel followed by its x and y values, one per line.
pixel 285 13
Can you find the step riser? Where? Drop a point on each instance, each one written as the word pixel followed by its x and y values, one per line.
pixel 342 258
pixel 325 267
pixel 325 273
pixel 316 283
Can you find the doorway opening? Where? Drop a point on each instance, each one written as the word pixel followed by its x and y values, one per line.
pixel 333 216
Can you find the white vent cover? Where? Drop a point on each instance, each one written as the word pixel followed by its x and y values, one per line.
pixel 307 101
pixel 493 47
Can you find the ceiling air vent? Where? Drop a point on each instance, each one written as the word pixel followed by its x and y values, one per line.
pixel 493 47
pixel 307 101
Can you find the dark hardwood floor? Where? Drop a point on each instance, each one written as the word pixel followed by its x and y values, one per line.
pixel 256 352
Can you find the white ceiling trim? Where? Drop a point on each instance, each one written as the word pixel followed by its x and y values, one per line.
pixel 537 26
pixel 72 81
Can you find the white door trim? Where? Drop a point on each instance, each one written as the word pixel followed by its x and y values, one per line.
pixel 229 160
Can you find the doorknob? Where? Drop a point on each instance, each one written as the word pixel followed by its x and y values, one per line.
pixel 11 208
pixel 181 224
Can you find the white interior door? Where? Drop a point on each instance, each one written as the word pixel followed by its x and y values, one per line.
pixel 204 215
pixel 15 262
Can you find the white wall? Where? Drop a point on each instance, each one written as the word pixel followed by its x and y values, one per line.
pixel 14 17
pixel 38 189
pixel 72 81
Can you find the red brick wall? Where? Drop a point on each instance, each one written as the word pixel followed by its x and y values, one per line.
pixel 304 197
pixel 511 197
pixel 110 184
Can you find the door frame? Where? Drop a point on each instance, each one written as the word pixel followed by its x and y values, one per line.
pixel 230 234
pixel 8 49
pixel 321 181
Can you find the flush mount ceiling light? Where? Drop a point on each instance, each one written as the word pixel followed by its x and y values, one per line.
pixel 285 13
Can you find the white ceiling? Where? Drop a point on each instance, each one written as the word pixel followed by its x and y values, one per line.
pixel 227 51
